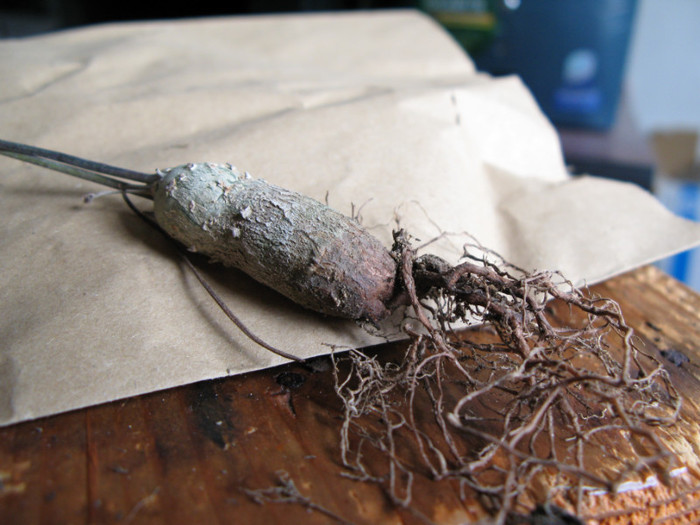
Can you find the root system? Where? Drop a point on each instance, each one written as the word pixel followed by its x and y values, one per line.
pixel 537 393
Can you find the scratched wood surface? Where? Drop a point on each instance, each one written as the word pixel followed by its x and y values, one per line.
pixel 187 455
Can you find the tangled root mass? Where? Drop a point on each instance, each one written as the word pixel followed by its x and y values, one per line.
pixel 540 391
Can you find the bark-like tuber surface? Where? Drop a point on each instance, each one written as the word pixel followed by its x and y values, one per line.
pixel 296 245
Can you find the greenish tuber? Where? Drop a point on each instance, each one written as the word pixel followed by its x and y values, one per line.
pixel 317 257
pixel 296 245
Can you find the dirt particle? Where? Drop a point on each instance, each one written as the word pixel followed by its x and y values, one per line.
pixel 676 357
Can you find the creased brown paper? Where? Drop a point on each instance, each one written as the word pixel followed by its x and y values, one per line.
pixel 374 110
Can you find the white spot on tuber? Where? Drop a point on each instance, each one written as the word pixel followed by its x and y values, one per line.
pixel 236 232
pixel 208 224
pixel 246 212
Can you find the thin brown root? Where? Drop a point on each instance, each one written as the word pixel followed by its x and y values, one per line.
pixel 286 491
pixel 542 401
pixel 208 288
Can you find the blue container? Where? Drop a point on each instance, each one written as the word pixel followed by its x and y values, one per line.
pixel 570 53
pixel 682 197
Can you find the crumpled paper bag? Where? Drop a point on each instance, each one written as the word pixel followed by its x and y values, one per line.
pixel 379 113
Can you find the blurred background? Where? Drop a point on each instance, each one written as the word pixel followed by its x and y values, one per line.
pixel 620 79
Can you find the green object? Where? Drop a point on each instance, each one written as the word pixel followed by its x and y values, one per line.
pixel 473 23
pixel 570 53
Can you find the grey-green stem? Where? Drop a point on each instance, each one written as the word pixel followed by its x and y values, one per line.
pixel 104 174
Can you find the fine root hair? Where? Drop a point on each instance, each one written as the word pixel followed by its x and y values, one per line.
pixel 533 398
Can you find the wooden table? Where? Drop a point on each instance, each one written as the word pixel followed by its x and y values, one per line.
pixel 187 455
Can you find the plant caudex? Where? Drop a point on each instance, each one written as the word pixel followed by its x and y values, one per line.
pixel 296 245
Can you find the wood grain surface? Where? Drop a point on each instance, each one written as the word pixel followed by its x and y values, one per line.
pixel 190 454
